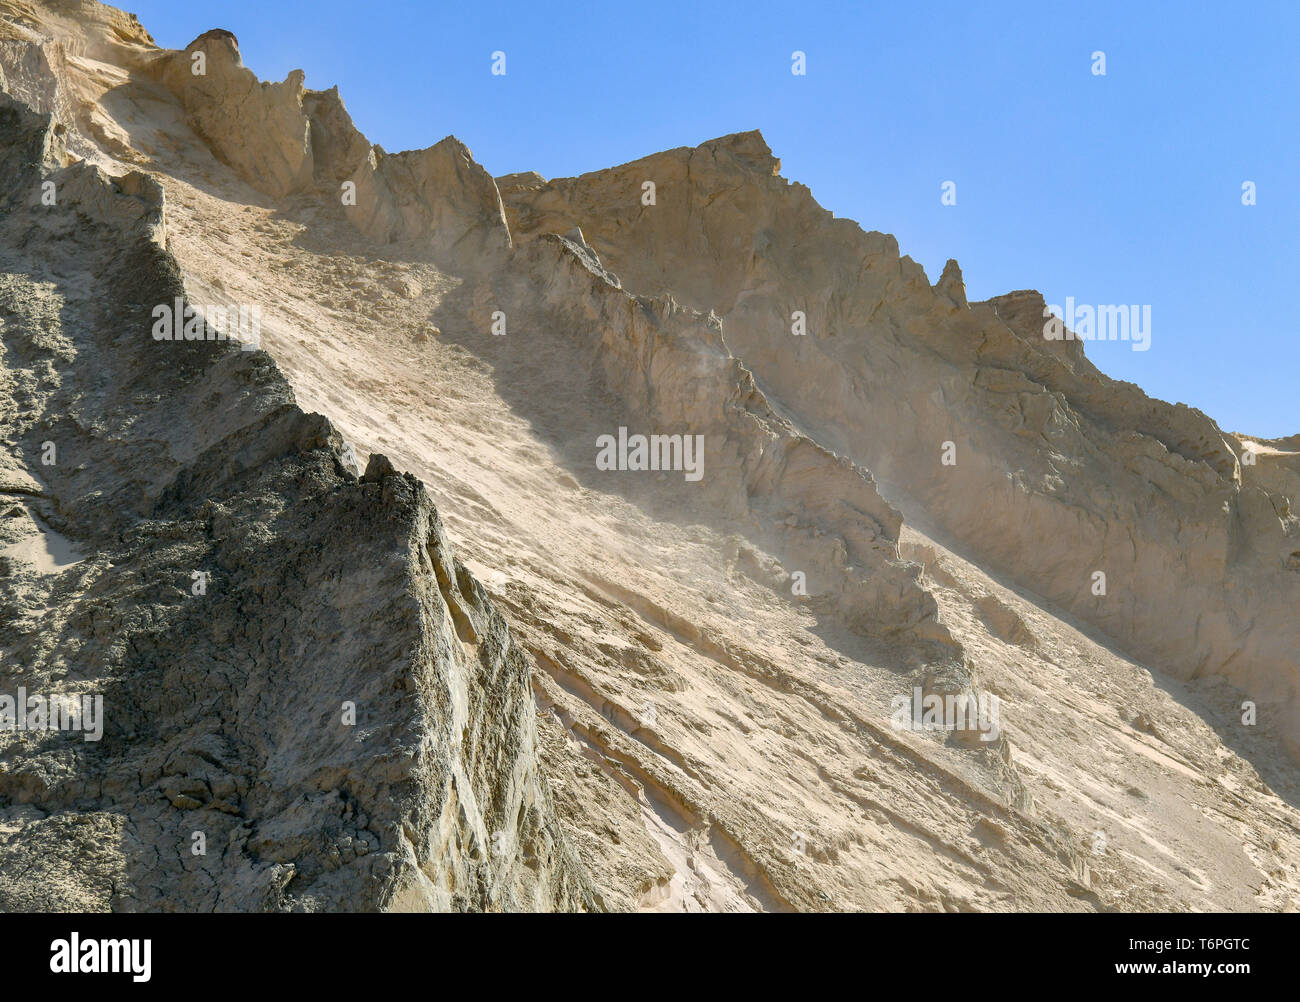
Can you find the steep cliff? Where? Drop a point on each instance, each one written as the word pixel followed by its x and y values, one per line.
pixel 1059 472
pixel 676 686
pixel 308 702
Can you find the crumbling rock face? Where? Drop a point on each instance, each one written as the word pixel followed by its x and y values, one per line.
pixel 671 370
pixel 37 73
pixel 682 693
pixel 337 146
pixel 438 196
pixel 282 139
pixel 86 27
pixel 338 718
pixel 260 129
pixel 1060 472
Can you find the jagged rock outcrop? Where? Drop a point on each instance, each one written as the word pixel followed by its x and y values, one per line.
pixel 338 719
pixel 260 129
pixel 1059 473
pixel 671 370
pixel 37 72
pixel 438 196
pixel 283 139
pixel 338 147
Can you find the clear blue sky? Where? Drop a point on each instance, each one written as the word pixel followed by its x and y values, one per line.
pixel 1117 189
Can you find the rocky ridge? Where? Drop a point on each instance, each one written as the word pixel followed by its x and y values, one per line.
pixel 699 734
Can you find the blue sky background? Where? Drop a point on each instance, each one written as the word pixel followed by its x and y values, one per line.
pixel 1117 189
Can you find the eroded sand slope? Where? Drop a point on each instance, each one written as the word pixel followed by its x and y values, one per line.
pixel 707 737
